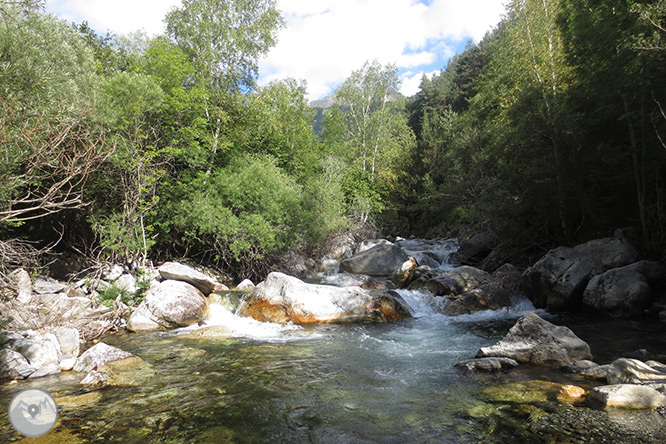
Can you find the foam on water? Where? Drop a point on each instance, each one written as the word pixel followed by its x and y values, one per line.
pixel 244 327
pixel 422 303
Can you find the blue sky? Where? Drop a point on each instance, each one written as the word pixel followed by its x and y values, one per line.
pixel 325 40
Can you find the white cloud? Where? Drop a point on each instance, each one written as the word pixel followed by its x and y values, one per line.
pixel 410 82
pixel 117 16
pixel 325 40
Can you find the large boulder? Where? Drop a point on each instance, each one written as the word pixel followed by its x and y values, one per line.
pixel 625 396
pixel 99 355
pixel 624 291
pixel 610 252
pixel 633 371
pixel 21 282
pixel 536 341
pixel 179 272
pixel 558 279
pixel 109 365
pixel 353 280
pixel 457 281
pixel 169 304
pixel 282 299
pixel 467 289
pixel 477 248
pixel 380 260
pixel 13 365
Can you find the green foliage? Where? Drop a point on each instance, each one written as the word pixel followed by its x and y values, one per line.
pixel 245 213
pixel 108 296
pixel 225 39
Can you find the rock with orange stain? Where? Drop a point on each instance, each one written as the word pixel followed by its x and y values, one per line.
pixel 282 299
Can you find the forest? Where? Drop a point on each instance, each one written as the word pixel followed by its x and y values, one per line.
pixel 129 149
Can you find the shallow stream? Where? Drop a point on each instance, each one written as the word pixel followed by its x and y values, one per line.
pixel 368 383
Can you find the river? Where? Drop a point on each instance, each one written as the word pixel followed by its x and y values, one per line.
pixel 364 383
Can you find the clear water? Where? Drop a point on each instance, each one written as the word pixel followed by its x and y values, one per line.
pixel 369 383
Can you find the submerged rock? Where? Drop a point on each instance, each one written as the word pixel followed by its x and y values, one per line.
pixel 282 299
pixel 625 396
pixel 486 364
pixel 587 369
pixel 534 392
pixel 169 304
pixel 99 355
pixel 633 371
pixel 108 365
pixel 380 260
pixel 536 341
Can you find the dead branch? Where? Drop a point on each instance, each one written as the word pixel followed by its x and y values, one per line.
pixel 54 163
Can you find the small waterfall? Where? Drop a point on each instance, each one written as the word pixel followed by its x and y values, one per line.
pixel 421 302
pixel 222 313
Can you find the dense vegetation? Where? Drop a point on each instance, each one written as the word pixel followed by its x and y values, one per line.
pixel 552 129
pixel 130 148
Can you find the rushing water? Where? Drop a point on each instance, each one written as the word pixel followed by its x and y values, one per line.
pixel 366 383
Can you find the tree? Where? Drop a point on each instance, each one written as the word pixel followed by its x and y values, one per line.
pixel 135 167
pixel 225 38
pixel 377 139
pixel 49 133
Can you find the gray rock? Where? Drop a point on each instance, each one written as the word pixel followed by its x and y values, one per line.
pixel 633 371
pixel 380 260
pixel 456 281
pixel 127 283
pixel 282 299
pixel 536 341
pixel 21 281
pixel 13 365
pixel 99 355
pixel 67 364
pixel 486 364
pixel 625 396
pixel 169 304
pixel 245 285
pixel 424 259
pixel 587 369
pixel 624 291
pixel 474 250
pixel 328 266
pixel 179 272
pixel 558 279
pixel 46 370
pixel 113 272
pixel 371 243
pixel 352 280
pixel 69 340
pixel 95 379
pixel 47 285
pixel 38 351
pixel 611 252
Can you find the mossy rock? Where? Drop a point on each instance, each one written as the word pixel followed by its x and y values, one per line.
pixel 527 392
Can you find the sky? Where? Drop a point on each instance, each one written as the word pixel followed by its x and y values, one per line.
pixel 325 40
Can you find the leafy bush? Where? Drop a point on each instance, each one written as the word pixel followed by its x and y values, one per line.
pixel 243 214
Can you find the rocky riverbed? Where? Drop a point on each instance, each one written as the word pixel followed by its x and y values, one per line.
pixel 409 282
